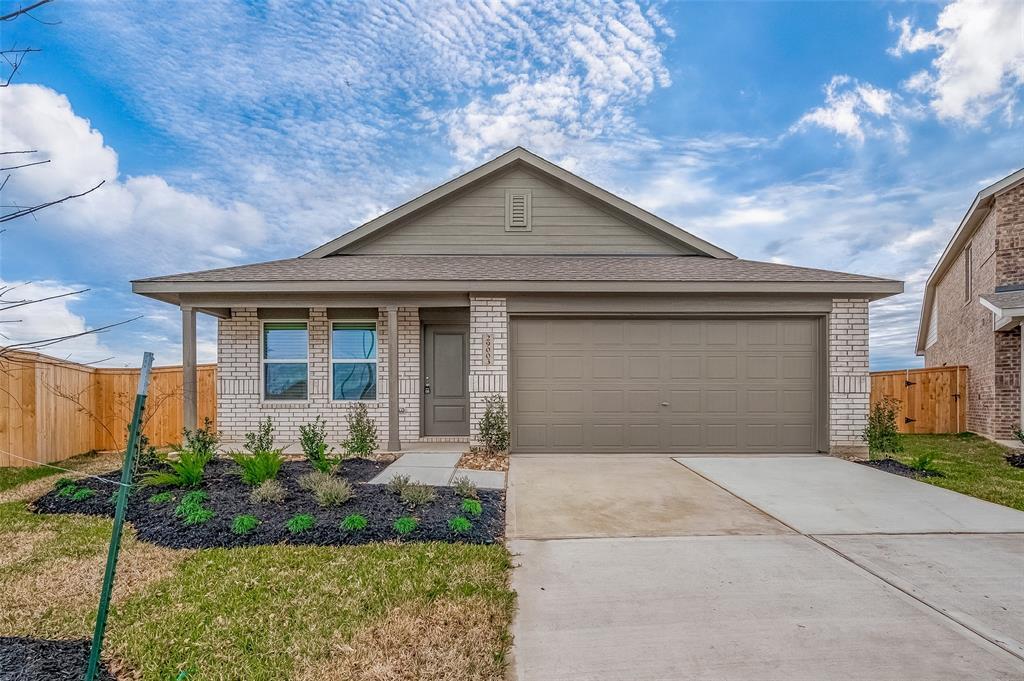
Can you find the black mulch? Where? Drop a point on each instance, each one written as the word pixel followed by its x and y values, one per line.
pixel 1016 460
pixel 899 468
pixel 229 497
pixel 36 659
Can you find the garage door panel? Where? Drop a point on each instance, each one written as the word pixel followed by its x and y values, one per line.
pixel 738 385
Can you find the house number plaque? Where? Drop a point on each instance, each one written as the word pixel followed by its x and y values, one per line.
pixel 488 341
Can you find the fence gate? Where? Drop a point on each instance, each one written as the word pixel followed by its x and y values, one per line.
pixel 932 400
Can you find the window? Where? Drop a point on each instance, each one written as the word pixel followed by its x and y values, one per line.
pixel 285 367
pixel 354 361
pixel 968 274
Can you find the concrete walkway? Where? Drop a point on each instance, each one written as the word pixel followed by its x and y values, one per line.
pixel 791 583
pixel 438 469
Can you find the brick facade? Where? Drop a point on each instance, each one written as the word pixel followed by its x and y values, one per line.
pixel 965 334
pixel 849 381
pixel 488 371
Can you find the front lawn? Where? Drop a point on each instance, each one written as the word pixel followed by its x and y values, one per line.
pixel 380 611
pixel 969 464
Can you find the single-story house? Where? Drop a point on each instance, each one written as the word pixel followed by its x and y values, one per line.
pixel 607 328
pixel 974 304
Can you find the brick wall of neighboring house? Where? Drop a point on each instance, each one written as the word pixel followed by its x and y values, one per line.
pixel 849 381
pixel 965 328
pixel 1009 216
pixel 1009 257
pixel 488 368
pixel 239 403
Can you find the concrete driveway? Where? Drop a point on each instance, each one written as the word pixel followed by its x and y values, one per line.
pixel 758 568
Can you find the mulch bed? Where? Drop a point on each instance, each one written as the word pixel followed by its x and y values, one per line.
pixel 480 460
pixel 899 468
pixel 1016 460
pixel 36 659
pixel 229 497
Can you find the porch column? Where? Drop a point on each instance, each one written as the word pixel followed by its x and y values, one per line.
pixel 189 381
pixel 394 440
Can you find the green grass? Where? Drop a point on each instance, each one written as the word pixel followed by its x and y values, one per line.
pixel 969 464
pixel 12 477
pixel 272 612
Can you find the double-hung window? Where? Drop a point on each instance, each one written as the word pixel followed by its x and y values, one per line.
pixel 285 361
pixel 354 360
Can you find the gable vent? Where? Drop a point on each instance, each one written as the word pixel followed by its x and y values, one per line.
pixel 518 210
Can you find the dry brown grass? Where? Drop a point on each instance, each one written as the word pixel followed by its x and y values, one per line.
pixel 79 467
pixel 442 640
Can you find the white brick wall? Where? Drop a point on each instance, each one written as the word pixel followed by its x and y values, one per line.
pixel 239 403
pixel 486 316
pixel 849 381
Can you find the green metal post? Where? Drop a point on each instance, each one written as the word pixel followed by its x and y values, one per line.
pixel 134 429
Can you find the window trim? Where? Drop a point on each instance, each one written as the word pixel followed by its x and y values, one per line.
pixel 968 273
pixel 331 361
pixel 264 361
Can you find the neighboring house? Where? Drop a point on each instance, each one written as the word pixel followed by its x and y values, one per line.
pixel 607 328
pixel 974 303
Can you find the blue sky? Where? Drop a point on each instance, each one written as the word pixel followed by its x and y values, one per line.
pixel 849 136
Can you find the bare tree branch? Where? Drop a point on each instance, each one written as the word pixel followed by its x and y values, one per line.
pixel 28 211
pixel 24 10
pixel 25 165
pixel 4 306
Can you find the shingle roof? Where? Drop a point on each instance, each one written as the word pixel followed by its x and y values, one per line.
pixel 1006 300
pixel 515 268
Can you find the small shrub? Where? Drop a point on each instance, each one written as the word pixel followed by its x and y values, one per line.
pixel 313 438
pixel 464 487
pixel 203 440
pixel 924 463
pixel 83 493
pixel 259 466
pixel 1017 433
pixel 494 433
pixel 405 525
pixel 300 523
pixel 418 495
pixel 881 433
pixel 244 524
pixel 398 483
pixel 362 431
pixel 113 498
pixel 269 492
pixel 147 457
pixel 184 471
pixel 65 482
pixel 67 491
pixel 161 498
pixel 354 522
pixel 191 509
pixel 459 525
pixel 263 439
pixel 472 507
pixel 328 489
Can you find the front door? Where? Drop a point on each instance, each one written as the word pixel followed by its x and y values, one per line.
pixel 445 380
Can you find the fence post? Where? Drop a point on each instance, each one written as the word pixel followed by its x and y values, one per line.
pixel 134 430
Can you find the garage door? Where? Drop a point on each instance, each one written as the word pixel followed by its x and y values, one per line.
pixel 665 385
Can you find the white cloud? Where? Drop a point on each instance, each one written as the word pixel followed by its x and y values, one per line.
pixel 980 61
pixel 49 319
pixel 177 228
pixel 853 109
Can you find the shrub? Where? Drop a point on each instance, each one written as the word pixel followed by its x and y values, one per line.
pixel 881 433
pixel 472 507
pixel 185 471
pixel 925 463
pixel 464 487
pixel 191 509
pixel 203 439
pixel 362 431
pixel 459 525
pixel 67 491
pixel 354 522
pixel 398 483
pixel 259 466
pixel 65 482
pixel 1017 433
pixel 263 439
pixel 405 525
pixel 269 492
pixel 161 498
pixel 83 493
pixel 313 438
pixel 300 523
pixel 328 490
pixel 494 425
pixel 147 458
pixel 244 524
pixel 418 495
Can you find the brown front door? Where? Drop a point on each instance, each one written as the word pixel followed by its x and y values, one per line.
pixel 445 379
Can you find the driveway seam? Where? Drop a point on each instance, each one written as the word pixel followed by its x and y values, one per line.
pixel 933 608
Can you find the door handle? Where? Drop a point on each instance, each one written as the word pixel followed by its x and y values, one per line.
pixel 664 404
pixel 426 385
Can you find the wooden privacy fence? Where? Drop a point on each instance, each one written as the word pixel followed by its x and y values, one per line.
pixel 932 400
pixel 51 409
